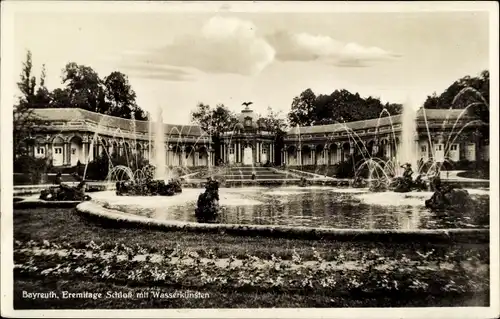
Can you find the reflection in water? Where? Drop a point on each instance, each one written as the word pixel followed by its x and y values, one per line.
pixel 322 207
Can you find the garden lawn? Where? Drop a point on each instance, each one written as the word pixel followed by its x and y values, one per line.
pixel 57 250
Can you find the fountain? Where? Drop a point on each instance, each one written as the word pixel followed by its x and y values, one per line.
pixel 160 159
pixel 407 150
pixel 303 200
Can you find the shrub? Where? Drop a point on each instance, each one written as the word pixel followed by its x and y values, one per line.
pixel 97 169
pixel 34 168
pixel 348 168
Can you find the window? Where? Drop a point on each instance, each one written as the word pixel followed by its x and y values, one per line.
pixel 40 150
pixel 73 151
pixel 454 147
pixel 248 122
pixel 231 150
pixel 264 151
pixel 423 148
pixel 439 147
pixel 58 150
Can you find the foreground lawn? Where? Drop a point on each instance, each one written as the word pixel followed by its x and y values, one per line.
pixel 57 250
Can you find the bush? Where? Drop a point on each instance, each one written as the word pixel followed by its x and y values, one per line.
pixel 97 169
pixel 348 168
pixel 34 168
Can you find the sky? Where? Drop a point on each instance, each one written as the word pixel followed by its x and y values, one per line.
pixel 175 60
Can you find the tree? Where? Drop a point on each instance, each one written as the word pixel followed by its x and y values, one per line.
pixel 339 106
pixel 303 107
pixel 61 98
pixel 121 97
pixel 214 121
pixel 467 92
pixel 85 87
pixel 23 120
pixel 42 98
pixel 275 123
pixel 112 96
pixel 462 93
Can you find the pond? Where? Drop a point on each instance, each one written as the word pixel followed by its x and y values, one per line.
pixel 309 206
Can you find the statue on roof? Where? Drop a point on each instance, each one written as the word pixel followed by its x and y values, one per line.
pixel 247 104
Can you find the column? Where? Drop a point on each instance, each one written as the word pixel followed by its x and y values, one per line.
pixel 299 156
pixel 196 158
pixel 271 150
pixel 91 151
pixel 240 153
pixel 48 150
pixel 183 156
pixel 313 154
pixel 259 151
pixel 85 152
pixel 67 153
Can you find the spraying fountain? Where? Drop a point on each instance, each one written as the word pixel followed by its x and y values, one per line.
pixel 160 160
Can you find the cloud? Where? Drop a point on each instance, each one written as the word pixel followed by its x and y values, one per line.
pixel 156 72
pixel 307 47
pixel 222 45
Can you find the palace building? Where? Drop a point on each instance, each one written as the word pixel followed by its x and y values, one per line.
pixel 67 136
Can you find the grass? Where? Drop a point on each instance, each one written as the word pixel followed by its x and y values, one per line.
pixel 66 226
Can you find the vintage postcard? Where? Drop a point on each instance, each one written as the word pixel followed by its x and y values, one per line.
pixel 249 159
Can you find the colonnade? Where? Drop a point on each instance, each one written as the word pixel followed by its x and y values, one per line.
pixel 244 152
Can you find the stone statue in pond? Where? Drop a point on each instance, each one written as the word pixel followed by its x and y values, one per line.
pixel 446 197
pixel 207 209
pixel 64 192
pixel 405 183
pixel 359 182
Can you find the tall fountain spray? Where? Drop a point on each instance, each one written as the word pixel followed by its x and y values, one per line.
pixel 407 149
pixel 160 157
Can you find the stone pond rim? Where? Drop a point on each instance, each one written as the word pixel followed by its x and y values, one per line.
pixel 110 217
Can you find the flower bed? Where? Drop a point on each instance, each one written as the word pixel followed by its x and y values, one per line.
pixel 66 253
pixel 372 274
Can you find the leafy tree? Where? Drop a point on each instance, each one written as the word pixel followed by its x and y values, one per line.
pixel 23 120
pixel 303 107
pixel 472 92
pixel 214 121
pixel 275 123
pixel 120 97
pixel 339 106
pixel 61 98
pixel 467 92
pixel 85 87
pixel 42 97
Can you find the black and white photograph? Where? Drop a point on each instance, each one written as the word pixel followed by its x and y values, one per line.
pixel 249 159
